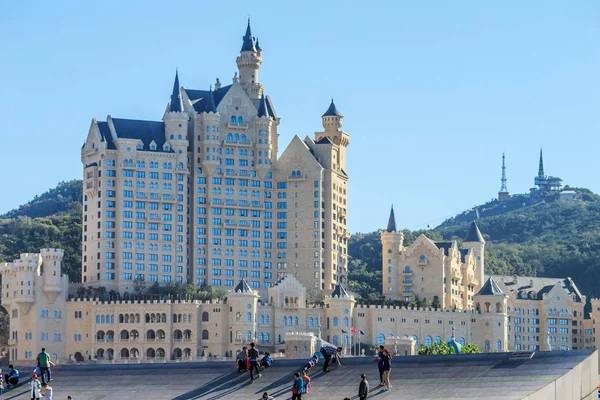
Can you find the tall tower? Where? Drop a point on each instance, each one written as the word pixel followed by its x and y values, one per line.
pixel 475 241
pixel 248 63
pixel 541 180
pixel 541 173
pixel 503 193
pixel 391 241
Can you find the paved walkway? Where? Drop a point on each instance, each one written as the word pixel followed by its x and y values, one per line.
pixel 489 376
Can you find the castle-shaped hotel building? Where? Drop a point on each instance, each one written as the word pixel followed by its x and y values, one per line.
pixel 201 197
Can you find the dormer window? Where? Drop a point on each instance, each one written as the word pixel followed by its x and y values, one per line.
pixel 166 147
pixel 153 147
pixel 140 146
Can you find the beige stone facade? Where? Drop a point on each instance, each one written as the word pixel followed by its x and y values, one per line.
pixel 43 314
pixel 201 196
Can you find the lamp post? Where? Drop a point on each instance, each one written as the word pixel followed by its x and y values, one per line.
pixel 396 345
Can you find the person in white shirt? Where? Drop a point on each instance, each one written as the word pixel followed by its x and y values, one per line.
pixel 46 392
pixel 35 387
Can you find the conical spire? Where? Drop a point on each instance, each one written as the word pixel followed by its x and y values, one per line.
pixel 332 111
pixel 258 45
pixel 541 169
pixel 210 103
pixel 263 109
pixel 391 227
pixel 490 288
pixel 474 234
pixel 176 105
pixel 248 40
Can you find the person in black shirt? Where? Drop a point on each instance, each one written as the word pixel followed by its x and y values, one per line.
pixel 253 355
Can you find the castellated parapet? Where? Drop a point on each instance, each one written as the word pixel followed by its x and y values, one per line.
pixel 300 344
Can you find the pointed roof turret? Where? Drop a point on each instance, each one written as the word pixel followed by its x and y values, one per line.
pixel 332 111
pixel 258 46
pixel 243 287
pixel 339 291
pixel 263 108
pixel 474 234
pixel 210 103
pixel 490 288
pixel 541 168
pixel 176 105
pixel 248 40
pixel 391 226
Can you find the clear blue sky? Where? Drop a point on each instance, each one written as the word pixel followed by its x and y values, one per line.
pixel 432 92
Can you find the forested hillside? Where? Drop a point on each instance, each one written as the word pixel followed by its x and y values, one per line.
pixel 540 237
pixel 52 219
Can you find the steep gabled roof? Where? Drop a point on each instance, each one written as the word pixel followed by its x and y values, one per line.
pixel 332 111
pixel 146 131
pixel 490 288
pixel 200 97
pixel 263 108
pixel 243 287
pixel 339 291
pixel 474 235
pixel 176 105
pixel 391 226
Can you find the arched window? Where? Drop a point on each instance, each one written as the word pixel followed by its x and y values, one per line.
pixel 345 340
pixel 416 339
pixel 293 173
pixel 233 120
pixel 204 316
pixel 290 320
pixel 236 137
pixel 461 340
pixel 310 321
pixel 248 335
pixel 438 339
pixel 261 319
pixel 428 341
pixel 345 321
pixel 261 337
pixel 240 120
pixel 243 138
pixel 381 339
pixel 487 345
pixel 283 320
pixel 267 337
pixel 407 269
pixel 336 321
pixel 336 340
pixel 295 320
pixel 205 334
pixel 498 345
pixel 98 319
pixel 266 319
pixel 248 316
pixel 229 137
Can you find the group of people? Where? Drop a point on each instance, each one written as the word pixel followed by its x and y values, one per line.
pixel 248 360
pixel 40 388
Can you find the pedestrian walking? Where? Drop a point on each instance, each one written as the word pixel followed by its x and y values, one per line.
pixel 297 387
pixel 387 367
pixel 363 387
pixel 44 363
pixel 253 356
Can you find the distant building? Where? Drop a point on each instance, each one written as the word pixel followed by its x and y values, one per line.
pixel 546 183
pixel 567 195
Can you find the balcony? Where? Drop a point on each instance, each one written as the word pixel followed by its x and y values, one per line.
pixel 407 282
pixel 236 126
pixel 105 340
pixel 407 272
pixel 422 261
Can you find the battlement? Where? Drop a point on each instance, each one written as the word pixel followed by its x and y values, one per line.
pixel 51 253
pixel 97 301
pixel 426 309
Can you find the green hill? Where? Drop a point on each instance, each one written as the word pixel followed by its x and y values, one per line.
pixel 52 219
pixel 525 236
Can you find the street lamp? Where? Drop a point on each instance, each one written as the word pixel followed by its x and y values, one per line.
pixel 396 345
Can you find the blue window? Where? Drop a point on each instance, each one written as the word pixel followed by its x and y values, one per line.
pixel 381 339
pixel 233 120
pixel 336 321
pixel 428 341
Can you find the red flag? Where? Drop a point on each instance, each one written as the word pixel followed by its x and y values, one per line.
pixel 353 330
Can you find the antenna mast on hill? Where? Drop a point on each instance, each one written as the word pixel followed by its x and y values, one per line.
pixel 503 193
